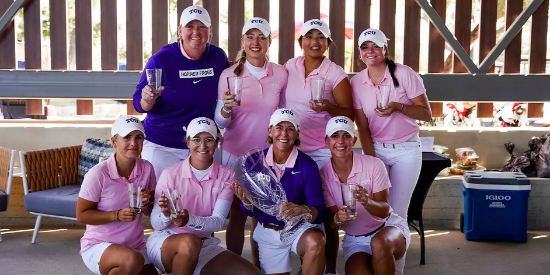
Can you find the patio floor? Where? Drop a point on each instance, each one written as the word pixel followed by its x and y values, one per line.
pixel 56 252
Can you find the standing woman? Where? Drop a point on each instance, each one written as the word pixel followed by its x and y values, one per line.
pixel 263 82
pixel 183 244
pixel 391 134
pixel 113 242
pixel 337 100
pixel 191 68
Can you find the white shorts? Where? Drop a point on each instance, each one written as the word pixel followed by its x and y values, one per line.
pixel 93 254
pixel 352 244
pixel 210 249
pixel 274 255
pixel 320 156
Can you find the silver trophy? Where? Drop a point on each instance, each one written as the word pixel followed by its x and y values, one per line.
pixel 266 193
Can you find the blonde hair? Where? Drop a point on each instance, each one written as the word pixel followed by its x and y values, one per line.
pixel 241 59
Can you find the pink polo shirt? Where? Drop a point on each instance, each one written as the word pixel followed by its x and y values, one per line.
pixel 298 95
pixel 260 98
pixel 397 127
pixel 198 197
pixel 367 171
pixel 103 184
pixel 290 161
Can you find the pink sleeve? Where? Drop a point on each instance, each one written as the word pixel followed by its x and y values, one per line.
pixel 338 74
pixel 413 84
pixel 327 194
pixel 91 187
pixel 226 193
pixel 354 94
pixel 222 83
pixel 380 178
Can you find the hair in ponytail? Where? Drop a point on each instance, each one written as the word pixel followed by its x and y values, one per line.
pixel 391 66
pixel 241 58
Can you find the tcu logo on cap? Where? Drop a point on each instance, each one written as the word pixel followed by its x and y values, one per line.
pixel 316 23
pixel 202 121
pixel 195 11
pixel 341 120
pixel 133 119
pixel 369 32
pixel 257 21
pixel 287 112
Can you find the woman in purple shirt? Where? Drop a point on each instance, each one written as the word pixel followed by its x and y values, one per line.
pixel 300 179
pixel 191 68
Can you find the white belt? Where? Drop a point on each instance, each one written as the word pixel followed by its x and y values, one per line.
pixel 398 145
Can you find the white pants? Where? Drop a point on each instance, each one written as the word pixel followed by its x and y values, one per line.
pixel 274 255
pixel 352 244
pixel 320 156
pixel 403 161
pixel 210 249
pixel 92 256
pixel 162 157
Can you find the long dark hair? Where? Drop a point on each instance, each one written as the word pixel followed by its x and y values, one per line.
pixel 241 58
pixel 391 67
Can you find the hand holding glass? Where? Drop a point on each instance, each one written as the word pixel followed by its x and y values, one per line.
pixel 317 86
pixel 383 94
pixel 134 194
pixel 154 78
pixel 235 85
pixel 173 199
pixel 348 198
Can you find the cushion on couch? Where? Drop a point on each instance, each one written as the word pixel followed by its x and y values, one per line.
pixel 3 201
pixel 58 201
pixel 93 151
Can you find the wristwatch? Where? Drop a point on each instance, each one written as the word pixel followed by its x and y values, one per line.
pixel 226 110
pixel 337 222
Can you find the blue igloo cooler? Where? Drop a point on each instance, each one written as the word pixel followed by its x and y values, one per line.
pixel 495 205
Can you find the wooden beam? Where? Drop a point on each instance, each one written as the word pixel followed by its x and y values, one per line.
pixel 109 47
pixel 512 53
pixel 361 22
pixel 484 110
pixel 33 49
pixel 213 8
pixel 286 30
pixel 58 34
pixel 337 26
pixel 437 109
pixel 537 53
pixel 411 53
pixel 463 25
pixel 134 42
pixel 312 9
pixel 83 40
pixel 387 22
pixel 235 26
pixel 7 40
pixel 261 9
pixel 436 53
pixel 487 29
pixel 159 13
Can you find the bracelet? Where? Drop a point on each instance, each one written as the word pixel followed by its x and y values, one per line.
pixel 402 107
pixel 335 221
pixel 118 220
pixel 226 110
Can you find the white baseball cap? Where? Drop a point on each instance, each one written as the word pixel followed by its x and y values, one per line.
pixel 374 35
pixel 318 24
pixel 257 23
pixel 195 13
pixel 340 123
pixel 125 125
pixel 199 125
pixel 285 114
